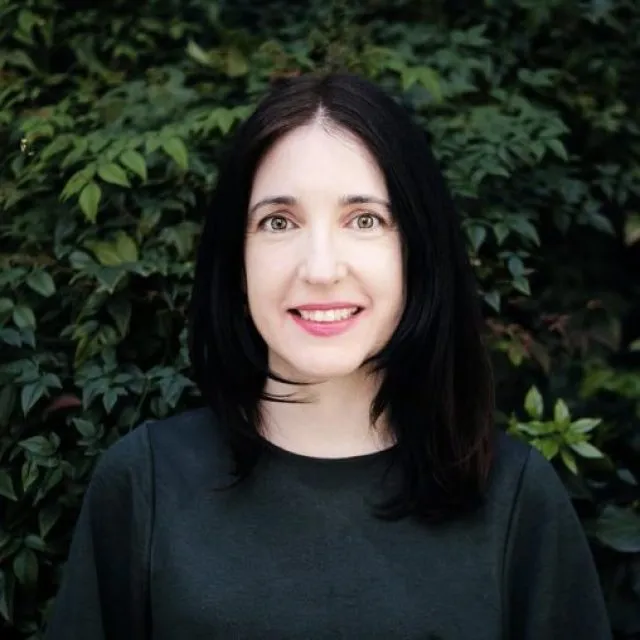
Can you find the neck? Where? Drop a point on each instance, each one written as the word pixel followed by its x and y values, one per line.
pixel 332 421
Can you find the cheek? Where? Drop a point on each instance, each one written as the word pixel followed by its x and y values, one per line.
pixel 384 274
pixel 268 275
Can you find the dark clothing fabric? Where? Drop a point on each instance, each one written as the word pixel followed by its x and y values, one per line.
pixel 295 553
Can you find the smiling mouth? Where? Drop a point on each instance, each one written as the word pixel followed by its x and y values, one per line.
pixel 326 315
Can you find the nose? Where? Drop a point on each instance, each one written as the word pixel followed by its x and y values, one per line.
pixel 321 262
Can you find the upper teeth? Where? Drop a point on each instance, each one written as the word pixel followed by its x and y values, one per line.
pixel 328 315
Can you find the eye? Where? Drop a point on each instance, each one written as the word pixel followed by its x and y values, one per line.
pixel 366 221
pixel 275 224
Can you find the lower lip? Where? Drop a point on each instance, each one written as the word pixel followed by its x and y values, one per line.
pixel 326 329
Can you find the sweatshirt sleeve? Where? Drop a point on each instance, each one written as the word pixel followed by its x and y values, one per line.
pixel 551 584
pixel 104 590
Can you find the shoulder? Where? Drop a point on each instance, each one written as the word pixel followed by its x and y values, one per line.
pixel 517 461
pixel 183 430
pixel 528 496
pixel 522 477
pixel 187 437
pixel 189 449
pixel 185 441
pixel 124 461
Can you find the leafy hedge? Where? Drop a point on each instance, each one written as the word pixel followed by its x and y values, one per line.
pixel 111 117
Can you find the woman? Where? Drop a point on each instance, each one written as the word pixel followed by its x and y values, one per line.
pixel 345 480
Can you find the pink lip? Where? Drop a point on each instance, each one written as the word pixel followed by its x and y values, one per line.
pixel 326 329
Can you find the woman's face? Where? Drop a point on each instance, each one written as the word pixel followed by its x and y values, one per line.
pixel 323 256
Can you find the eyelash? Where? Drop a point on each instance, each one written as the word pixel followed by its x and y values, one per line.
pixel 264 222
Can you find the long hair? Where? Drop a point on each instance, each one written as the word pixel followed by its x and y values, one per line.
pixel 436 390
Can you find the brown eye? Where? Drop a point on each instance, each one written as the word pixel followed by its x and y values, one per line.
pixel 367 221
pixel 275 224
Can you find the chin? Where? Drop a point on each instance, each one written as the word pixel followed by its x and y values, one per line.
pixel 321 371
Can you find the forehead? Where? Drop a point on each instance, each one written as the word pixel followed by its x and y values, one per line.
pixel 314 160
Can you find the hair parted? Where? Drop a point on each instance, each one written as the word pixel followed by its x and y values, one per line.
pixel 437 387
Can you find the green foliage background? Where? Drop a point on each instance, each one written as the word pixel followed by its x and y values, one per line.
pixel 111 119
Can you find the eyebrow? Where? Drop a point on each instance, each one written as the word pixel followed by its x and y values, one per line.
pixel 344 201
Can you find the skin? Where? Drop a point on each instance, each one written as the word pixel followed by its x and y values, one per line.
pixel 317 244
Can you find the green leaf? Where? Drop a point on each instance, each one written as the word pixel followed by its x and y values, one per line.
pixel 28 338
pixel 601 223
pixel 120 310
pixel 25 567
pixel 182 237
pixel 584 425
pixel 533 428
pixel 109 278
pixel 515 266
pixel 86 428
pixel 41 282
pixel 35 542
pixel 561 414
pixel 48 516
pixel 558 148
pixel 198 54
pixel 30 395
pixel 492 298
pixel 106 253
pixel 7 402
pixel 6 305
pixel 172 387
pixel 52 478
pixel 224 119
pixel 521 284
pixel 26 21
pixel 425 77
pixel 19 58
pixel 516 353
pixel 586 450
pixel 477 234
pixel 237 64
pixel 626 476
pixel 80 146
pixel 81 261
pixel 619 529
pixel 126 247
pixel 533 403
pixel 29 474
pixel 58 144
pixel 632 230
pixel 6 486
pixel 38 445
pixel 28 371
pixel 549 448
pixel 135 162
pixel 176 149
pixel 89 200
pixel 109 399
pixel 501 232
pixel 152 143
pixel 525 229
pixel 11 337
pixel 23 317
pixel 51 380
pixel 114 174
pixel 7 591
pixel 77 181
pixel 569 461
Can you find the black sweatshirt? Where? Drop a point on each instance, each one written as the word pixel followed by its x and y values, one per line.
pixel 295 553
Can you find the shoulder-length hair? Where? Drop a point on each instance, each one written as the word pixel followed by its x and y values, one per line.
pixel 436 390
